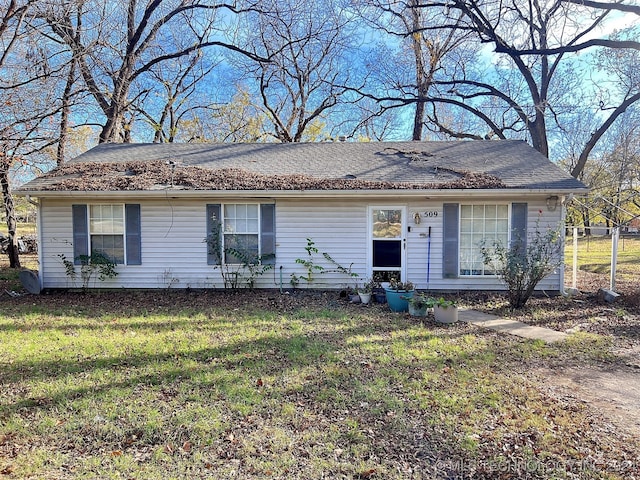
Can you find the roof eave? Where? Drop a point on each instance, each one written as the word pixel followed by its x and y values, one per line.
pixel 404 193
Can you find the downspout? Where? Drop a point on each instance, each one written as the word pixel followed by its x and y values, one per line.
pixel 428 255
pixel 38 238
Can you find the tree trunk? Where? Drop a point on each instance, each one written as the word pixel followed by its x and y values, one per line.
pixel 586 221
pixel 111 129
pixel 418 122
pixel 64 114
pixel 12 249
pixel 538 132
pixel 418 118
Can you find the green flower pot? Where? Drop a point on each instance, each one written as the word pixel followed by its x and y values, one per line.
pixel 397 299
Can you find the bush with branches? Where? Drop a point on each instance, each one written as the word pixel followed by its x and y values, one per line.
pixel 522 266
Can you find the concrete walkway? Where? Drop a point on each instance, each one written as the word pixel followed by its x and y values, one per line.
pixel 486 320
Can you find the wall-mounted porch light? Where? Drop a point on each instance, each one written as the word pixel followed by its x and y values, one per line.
pixel 552 203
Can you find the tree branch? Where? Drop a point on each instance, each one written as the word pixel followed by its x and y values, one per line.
pixel 621 7
pixel 595 42
pixel 595 136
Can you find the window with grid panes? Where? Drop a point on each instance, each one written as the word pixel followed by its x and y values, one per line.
pixel 241 232
pixel 106 231
pixel 481 223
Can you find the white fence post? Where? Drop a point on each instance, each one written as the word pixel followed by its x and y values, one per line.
pixel 574 283
pixel 615 236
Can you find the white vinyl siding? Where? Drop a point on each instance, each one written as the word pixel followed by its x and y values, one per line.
pixel 174 250
pixel 172 234
pixel 338 228
pixel 422 258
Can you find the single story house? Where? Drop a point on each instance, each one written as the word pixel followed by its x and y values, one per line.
pixel 185 215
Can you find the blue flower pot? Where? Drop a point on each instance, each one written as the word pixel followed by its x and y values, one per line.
pixel 379 295
pixel 397 299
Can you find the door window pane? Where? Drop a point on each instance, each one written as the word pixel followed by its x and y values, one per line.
pixel 387 223
pixel 386 254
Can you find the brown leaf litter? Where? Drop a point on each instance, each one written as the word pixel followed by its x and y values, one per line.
pixel 136 175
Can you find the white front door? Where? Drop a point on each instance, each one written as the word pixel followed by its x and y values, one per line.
pixel 387 227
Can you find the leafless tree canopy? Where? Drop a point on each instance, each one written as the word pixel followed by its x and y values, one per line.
pixel 77 72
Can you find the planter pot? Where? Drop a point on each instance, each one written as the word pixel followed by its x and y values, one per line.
pixel 445 314
pixel 379 295
pixel 365 298
pixel 417 311
pixel 397 299
pixel 354 298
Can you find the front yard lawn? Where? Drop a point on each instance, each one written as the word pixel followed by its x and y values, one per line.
pixel 262 385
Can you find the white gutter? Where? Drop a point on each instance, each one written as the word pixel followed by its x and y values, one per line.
pixel 394 193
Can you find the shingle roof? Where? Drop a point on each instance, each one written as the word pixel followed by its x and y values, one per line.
pixel 339 166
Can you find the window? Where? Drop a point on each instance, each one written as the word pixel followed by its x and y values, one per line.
pixel 106 231
pixel 478 224
pixel 240 232
pixel 111 229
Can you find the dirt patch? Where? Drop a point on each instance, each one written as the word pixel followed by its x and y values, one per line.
pixel 611 389
pixel 615 392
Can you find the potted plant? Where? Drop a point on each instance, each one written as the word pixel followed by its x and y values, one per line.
pixel 378 292
pixel 445 311
pixel 398 294
pixel 366 290
pixel 419 304
pixel 354 296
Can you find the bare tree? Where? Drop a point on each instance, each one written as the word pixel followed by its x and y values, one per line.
pixel 618 189
pixel 306 43
pixel 368 122
pixel 115 56
pixel 239 120
pixel 536 38
pixel 531 87
pixel 18 121
pixel 182 95
pixel 425 49
pixel 11 29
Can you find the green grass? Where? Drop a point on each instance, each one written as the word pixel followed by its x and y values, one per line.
pixel 22 228
pixel 9 277
pixel 104 386
pixel 594 255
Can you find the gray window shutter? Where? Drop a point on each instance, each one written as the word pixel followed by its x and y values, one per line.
pixel 519 226
pixel 268 233
pixel 214 232
pixel 450 213
pixel 80 232
pixel 133 240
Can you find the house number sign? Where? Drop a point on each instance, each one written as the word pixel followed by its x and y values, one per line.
pixel 431 214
